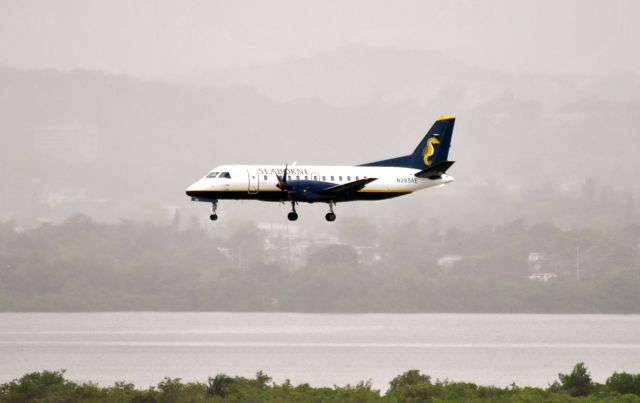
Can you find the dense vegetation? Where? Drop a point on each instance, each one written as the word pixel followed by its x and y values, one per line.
pixel 412 386
pixel 83 265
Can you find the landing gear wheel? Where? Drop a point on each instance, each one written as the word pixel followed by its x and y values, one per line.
pixel 292 216
pixel 330 215
pixel 214 208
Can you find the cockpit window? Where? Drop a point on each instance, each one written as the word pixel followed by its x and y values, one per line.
pixel 213 174
pixel 225 175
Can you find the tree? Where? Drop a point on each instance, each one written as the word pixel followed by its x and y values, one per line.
pixel 410 378
pixel 578 382
pixel 219 386
pixel 624 383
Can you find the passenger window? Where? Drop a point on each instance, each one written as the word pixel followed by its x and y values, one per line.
pixel 340 178
pixel 306 177
pixel 348 179
pixel 332 178
pixel 324 178
pixel 297 177
pixel 357 178
pixel 315 178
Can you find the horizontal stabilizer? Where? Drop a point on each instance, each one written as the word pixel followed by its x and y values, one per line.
pixel 351 186
pixel 436 170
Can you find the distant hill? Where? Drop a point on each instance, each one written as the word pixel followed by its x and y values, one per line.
pixel 117 146
pixel 359 74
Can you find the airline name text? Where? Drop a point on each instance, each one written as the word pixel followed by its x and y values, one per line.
pixel 280 171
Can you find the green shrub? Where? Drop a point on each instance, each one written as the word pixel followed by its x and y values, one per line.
pixel 578 382
pixel 623 383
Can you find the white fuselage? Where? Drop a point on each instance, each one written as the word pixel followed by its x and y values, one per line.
pixel 255 180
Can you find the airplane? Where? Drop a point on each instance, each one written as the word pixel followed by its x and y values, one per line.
pixel 426 167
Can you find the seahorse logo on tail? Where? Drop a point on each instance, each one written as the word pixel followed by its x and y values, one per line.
pixel 429 150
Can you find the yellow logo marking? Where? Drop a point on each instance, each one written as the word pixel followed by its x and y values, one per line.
pixel 429 150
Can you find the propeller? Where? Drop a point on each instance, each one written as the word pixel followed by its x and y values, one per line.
pixel 282 180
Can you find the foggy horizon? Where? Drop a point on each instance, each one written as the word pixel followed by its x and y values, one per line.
pixel 154 39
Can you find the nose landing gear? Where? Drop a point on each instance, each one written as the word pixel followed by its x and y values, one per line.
pixel 214 208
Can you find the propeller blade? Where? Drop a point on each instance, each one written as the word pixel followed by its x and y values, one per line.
pixel 282 180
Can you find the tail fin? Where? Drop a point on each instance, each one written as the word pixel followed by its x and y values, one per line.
pixel 433 149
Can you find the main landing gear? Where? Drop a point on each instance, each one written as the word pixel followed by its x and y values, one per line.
pixel 292 216
pixel 330 216
pixel 214 208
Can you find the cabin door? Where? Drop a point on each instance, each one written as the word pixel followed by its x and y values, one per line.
pixel 254 181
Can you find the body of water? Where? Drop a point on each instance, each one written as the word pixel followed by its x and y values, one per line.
pixel 321 349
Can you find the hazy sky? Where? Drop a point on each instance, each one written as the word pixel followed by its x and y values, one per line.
pixel 154 37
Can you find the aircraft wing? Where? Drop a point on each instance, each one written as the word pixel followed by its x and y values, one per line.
pixel 347 187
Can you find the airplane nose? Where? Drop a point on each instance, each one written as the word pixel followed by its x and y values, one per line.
pixel 193 189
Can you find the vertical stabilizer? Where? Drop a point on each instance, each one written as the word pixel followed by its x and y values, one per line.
pixel 433 149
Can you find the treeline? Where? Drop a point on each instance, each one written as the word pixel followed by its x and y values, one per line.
pixel 411 386
pixel 83 265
